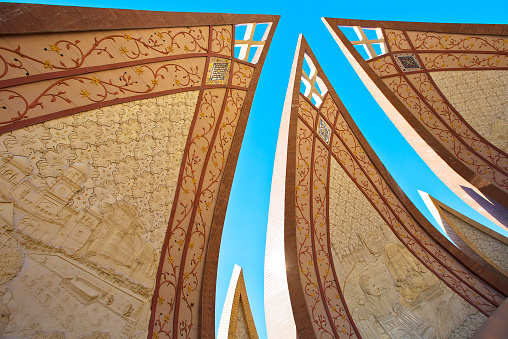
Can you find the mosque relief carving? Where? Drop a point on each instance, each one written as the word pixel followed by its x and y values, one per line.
pixel 86 204
pixel 389 293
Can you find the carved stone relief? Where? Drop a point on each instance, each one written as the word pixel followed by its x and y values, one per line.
pixel 241 326
pixel 495 250
pixel 481 97
pixel 389 293
pixel 91 196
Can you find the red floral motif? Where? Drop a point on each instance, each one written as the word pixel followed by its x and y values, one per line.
pixel 192 271
pixel 66 54
pixel 306 258
pixel 206 159
pixel 383 66
pixel 329 286
pixel 396 40
pixel 462 60
pixel 329 110
pixel 450 129
pixel 221 40
pixel 313 252
pixel 94 90
pixel 199 138
pixel 307 112
pixel 242 75
pixel 443 41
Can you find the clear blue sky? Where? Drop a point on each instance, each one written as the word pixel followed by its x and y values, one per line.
pixel 243 239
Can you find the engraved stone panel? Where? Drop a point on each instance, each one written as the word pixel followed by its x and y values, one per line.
pixel 481 98
pixel 389 293
pixel 91 196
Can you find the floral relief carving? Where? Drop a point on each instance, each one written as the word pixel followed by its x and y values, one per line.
pixel 200 138
pixel 49 53
pixel 307 112
pixel 457 42
pixel 304 234
pixel 454 134
pixel 327 279
pixel 396 40
pixel 329 109
pixel 221 40
pixel 398 218
pixel 242 75
pixel 463 60
pixel 50 96
pixel 384 66
pixel 197 245
pixel 209 145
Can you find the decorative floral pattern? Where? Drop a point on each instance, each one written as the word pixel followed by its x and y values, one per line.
pixel 321 290
pixel 396 40
pixel 46 97
pixel 242 75
pixel 221 40
pixel 449 128
pixel 180 281
pixel 383 66
pixel 307 112
pixel 457 42
pixel 50 53
pixel 435 61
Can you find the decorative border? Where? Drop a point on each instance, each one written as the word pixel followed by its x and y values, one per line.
pixel 480 287
pixel 468 153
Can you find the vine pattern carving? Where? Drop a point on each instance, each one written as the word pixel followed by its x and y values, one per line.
pixel 180 280
pixel 383 66
pixel 328 311
pixel 242 75
pixel 435 61
pixel 222 40
pixel 456 135
pixel 396 40
pixel 57 52
pixel 28 101
pixel 457 42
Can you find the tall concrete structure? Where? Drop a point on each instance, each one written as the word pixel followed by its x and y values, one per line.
pixel 120 132
pixel 361 260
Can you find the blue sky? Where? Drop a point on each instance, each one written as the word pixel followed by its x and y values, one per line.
pixel 245 226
